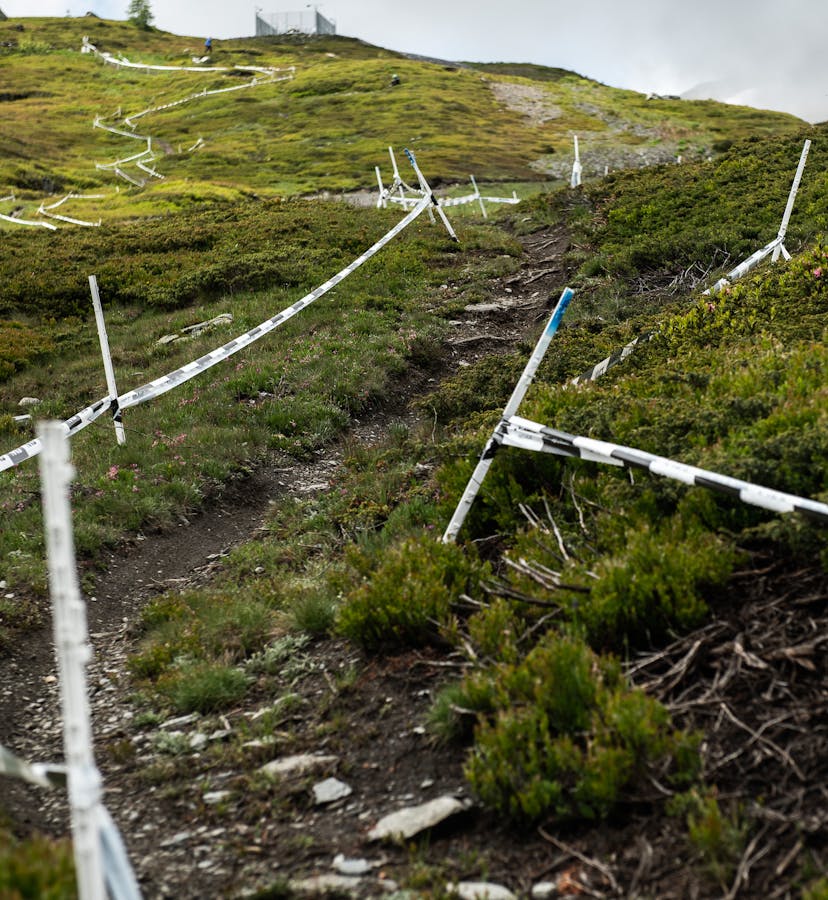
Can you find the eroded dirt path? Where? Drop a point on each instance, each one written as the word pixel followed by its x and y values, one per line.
pixel 180 844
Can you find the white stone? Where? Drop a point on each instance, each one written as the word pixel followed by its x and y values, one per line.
pixel 323 884
pixel 198 741
pixel 28 401
pixel 213 797
pixel 177 839
pixel 543 890
pixel 329 790
pixel 351 866
pixel 411 820
pixel 299 764
pixel 181 720
pixel 480 890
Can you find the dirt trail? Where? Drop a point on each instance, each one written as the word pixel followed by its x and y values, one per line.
pixel 163 844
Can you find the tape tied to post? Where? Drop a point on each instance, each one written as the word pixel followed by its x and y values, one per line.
pixel 183 374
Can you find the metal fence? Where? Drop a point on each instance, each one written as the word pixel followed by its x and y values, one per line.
pixel 307 21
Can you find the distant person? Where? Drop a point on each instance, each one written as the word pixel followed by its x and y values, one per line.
pixel 395 79
pixel 208 45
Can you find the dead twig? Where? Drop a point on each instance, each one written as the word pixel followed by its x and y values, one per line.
pixel 556 530
pixel 582 857
pixel 747 860
pixel 772 745
pixel 573 495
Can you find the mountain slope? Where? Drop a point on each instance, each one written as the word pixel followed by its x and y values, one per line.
pixel 326 129
pixel 625 674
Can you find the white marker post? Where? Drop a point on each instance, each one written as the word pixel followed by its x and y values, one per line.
pixel 479 198
pixel 783 228
pixel 427 192
pixel 381 204
pixel 398 182
pixel 120 434
pixel 73 653
pixel 495 441
pixel 575 180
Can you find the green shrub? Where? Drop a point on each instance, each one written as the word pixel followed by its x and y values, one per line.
pixel 408 599
pixel 37 868
pixel 568 738
pixel 816 890
pixel 653 586
pixel 718 837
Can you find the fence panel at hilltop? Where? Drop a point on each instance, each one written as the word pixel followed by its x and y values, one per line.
pixel 306 21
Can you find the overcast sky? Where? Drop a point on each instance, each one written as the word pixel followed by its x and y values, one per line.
pixel 762 53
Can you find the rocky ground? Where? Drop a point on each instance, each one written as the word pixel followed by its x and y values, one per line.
pixel 293 787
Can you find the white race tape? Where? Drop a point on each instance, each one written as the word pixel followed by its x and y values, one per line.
pixel 190 370
pixel 71 426
pixel 46 776
pixel 201 94
pixel 167 382
pixel 28 222
pixel 520 432
pixel 99 123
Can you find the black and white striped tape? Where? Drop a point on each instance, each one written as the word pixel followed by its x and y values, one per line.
pixel 71 426
pixel 190 370
pixel 167 382
pixel 612 360
pixel 42 775
pixel 519 432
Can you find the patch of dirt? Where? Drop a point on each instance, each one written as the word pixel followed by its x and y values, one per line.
pixel 528 100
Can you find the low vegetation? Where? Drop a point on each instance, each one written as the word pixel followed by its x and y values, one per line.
pixel 566 569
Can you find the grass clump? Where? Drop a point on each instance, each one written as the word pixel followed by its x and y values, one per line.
pixel 37 868
pixel 716 835
pixel 203 687
pixel 563 737
pixel 408 599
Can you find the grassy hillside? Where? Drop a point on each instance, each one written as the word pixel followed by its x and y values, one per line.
pixel 567 574
pixel 325 130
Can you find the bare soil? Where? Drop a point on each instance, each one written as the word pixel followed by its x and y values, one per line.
pixel 203 823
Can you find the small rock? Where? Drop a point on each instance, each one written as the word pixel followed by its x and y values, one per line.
pixel 28 401
pixel 179 721
pixel 351 866
pixel 480 890
pixel 411 820
pixel 299 764
pixel 213 797
pixel 260 743
pixel 329 790
pixel 543 890
pixel 198 741
pixel 177 839
pixel 324 884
